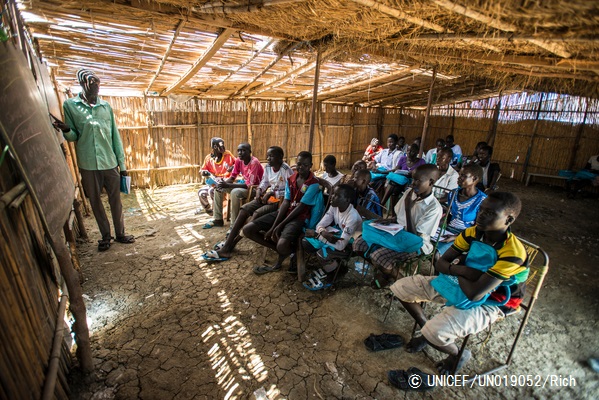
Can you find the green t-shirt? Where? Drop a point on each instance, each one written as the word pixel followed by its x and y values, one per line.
pixel 99 145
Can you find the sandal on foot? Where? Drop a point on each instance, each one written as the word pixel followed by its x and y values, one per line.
pixel 265 269
pixel 219 246
pixel 213 256
pixel 384 341
pixel 315 283
pixel 127 239
pixel 411 380
pixel 103 244
pixel 213 223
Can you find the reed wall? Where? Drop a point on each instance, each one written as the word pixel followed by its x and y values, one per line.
pixel 29 295
pixel 166 141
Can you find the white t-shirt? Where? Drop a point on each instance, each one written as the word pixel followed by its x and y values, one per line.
pixel 426 214
pixel 447 181
pixel 348 221
pixel 594 163
pixel 333 180
pixel 428 158
pixel 276 181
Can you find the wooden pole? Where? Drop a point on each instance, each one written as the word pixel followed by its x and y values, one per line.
pixel 532 138
pixel 493 130
pixel 287 128
pixel 248 105
pixel 578 136
pixel 77 306
pixel 400 123
pixel 150 142
pixel 352 118
pixel 314 102
pixel 320 133
pixel 452 121
pixel 380 120
pixel 428 111
pixel 200 138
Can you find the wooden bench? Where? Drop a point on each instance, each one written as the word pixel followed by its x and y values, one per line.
pixel 530 175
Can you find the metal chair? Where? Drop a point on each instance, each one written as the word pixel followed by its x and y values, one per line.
pixel 534 283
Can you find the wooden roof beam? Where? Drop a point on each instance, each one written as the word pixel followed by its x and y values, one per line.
pixel 292 73
pixel 552 47
pixel 220 40
pixel 529 61
pixel 283 53
pixel 221 8
pixel 375 5
pixel 356 84
pixel 242 66
pixel 403 78
pixel 492 37
pixel 166 53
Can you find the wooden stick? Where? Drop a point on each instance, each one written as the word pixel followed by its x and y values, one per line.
pixel 352 119
pixel 578 136
pixel 532 138
pixel 77 306
pixel 428 112
pixel 248 106
pixel 314 102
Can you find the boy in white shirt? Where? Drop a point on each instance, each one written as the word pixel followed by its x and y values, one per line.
pixel 331 174
pixel 268 197
pixel 419 212
pixel 331 238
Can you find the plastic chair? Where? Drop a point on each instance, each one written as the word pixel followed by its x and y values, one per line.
pixel 534 283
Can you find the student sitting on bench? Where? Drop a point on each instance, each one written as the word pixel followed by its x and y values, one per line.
pixel 332 236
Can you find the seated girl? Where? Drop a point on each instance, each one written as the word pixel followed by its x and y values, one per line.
pixel 464 204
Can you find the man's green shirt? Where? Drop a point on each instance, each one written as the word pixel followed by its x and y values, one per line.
pixel 99 145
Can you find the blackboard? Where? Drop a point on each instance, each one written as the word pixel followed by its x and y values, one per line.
pixel 26 128
pixel 44 84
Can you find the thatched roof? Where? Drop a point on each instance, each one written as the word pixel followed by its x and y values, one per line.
pixel 374 52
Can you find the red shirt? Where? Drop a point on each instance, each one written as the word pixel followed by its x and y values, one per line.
pixel 295 194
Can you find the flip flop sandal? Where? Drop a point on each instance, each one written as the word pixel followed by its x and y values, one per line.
pixel 265 269
pixel 384 341
pixel 219 246
pixel 213 223
pixel 127 239
pixel 315 284
pixel 406 380
pixel 103 244
pixel 212 256
pixel 399 379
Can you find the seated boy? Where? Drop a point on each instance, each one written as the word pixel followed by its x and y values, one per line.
pixel 448 177
pixel 332 235
pixel 268 197
pixel 497 213
pixel 350 178
pixel 419 212
pixel 367 197
pixel 331 174
pixel 284 227
pixel 247 166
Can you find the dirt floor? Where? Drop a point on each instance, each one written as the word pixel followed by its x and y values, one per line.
pixel 166 325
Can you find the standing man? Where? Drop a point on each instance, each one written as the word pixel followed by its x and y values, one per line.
pixel 90 123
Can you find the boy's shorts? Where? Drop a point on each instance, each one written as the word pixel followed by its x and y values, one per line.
pixel 256 205
pixel 291 232
pixel 451 323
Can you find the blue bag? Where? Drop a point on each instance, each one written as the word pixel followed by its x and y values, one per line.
pixel 403 241
pixel 482 257
pixel 400 179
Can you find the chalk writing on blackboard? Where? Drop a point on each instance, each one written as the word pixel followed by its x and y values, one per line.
pixel 25 127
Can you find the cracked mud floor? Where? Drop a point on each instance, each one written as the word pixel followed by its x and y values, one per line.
pixel 167 325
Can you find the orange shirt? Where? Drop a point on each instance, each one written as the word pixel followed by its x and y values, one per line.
pixel 219 169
